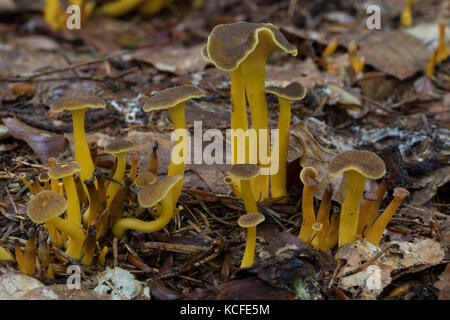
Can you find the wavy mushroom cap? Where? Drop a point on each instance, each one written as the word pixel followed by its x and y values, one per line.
pixel 154 193
pixel 64 170
pixel 230 44
pixel 250 220
pixel 244 171
pixel 293 91
pixel 119 146
pixel 401 193
pixel 77 103
pixel 309 176
pixel 44 177
pixel 367 163
pixel 45 206
pixel 145 179
pixel 171 97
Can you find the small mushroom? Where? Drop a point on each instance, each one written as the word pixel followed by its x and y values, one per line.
pixel 148 197
pixel 323 217
pixel 119 150
pixel 134 165
pixel 442 51
pixel 357 166
pixel 46 207
pixel 370 199
pixel 27 261
pixel 145 179
pixel 333 231
pixel 174 99
pixel 250 221
pixel 5 255
pixel 153 162
pixel 244 173
pixel 23 177
pixel 45 179
pixel 375 231
pixel 294 91
pixel 65 172
pixel 242 49
pixel 406 16
pixel 78 106
pixel 308 176
pixel 356 64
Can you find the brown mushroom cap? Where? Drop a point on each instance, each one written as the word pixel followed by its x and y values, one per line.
pixel 77 103
pixel 171 97
pixel 45 206
pixel 230 44
pixel 44 177
pixel 294 91
pixel 401 193
pixel 145 179
pixel 64 170
pixel 309 176
pixel 244 171
pixel 204 52
pixel 317 226
pixel 367 163
pixel 119 146
pixel 154 193
pixel 250 220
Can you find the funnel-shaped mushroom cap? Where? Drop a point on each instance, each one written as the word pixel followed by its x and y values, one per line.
pixel 309 176
pixel 154 193
pixel 145 179
pixel 171 97
pixel 45 206
pixel 44 177
pixel 64 170
pixel 119 146
pixel 294 91
pixel 244 171
pixel 250 220
pixel 230 44
pixel 367 163
pixel 317 226
pixel 401 193
pixel 77 103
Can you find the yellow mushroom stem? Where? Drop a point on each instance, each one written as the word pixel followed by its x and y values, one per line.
pixel 37 187
pixel 53 182
pixel 55 235
pixel 308 214
pixel 89 246
pixel 46 185
pixel 348 224
pixel 442 51
pixel 406 16
pixel 323 217
pixel 247 197
pixel 25 181
pixel 431 65
pixel 167 206
pixel 27 260
pixel 116 207
pixel 134 166
pixel 50 274
pixel 153 162
pixel 278 180
pixel 330 49
pixel 369 211
pixel 178 118
pixel 250 244
pixel 81 147
pixel 102 256
pixel 238 118
pixel 73 204
pixel 254 72
pixel 321 241
pixel 5 255
pixel 231 184
pixel 333 230
pixel 119 175
pixel 119 7
pixel 375 232
pixel 75 234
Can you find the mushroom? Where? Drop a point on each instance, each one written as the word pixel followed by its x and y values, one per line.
pixel 308 176
pixel 244 173
pixel 36 186
pixel 53 182
pixel 370 199
pixel 145 179
pixel 317 229
pixel 174 99
pixel 27 260
pixel 294 91
pixel 23 177
pixel 119 8
pixel 406 16
pixel 333 230
pixel 250 221
pixel 356 64
pixel 65 172
pixel 148 197
pixel 89 246
pixel 78 106
pixel 442 52
pixel 330 49
pixel 357 166
pixel 230 183
pixel 323 217
pixel 45 179
pixel 134 165
pixel 375 231
pixel 119 150
pixel 153 162
pixel 46 207
pixel 54 15
pixel 5 255
pixel 242 48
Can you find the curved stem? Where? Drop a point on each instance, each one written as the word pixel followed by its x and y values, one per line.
pixel 82 152
pixel 75 234
pixel 250 244
pixel 123 225
pixel 308 214
pixel 73 204
pixel 375 232
pixel 278 180
pixel 348 224
pixel 119 175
